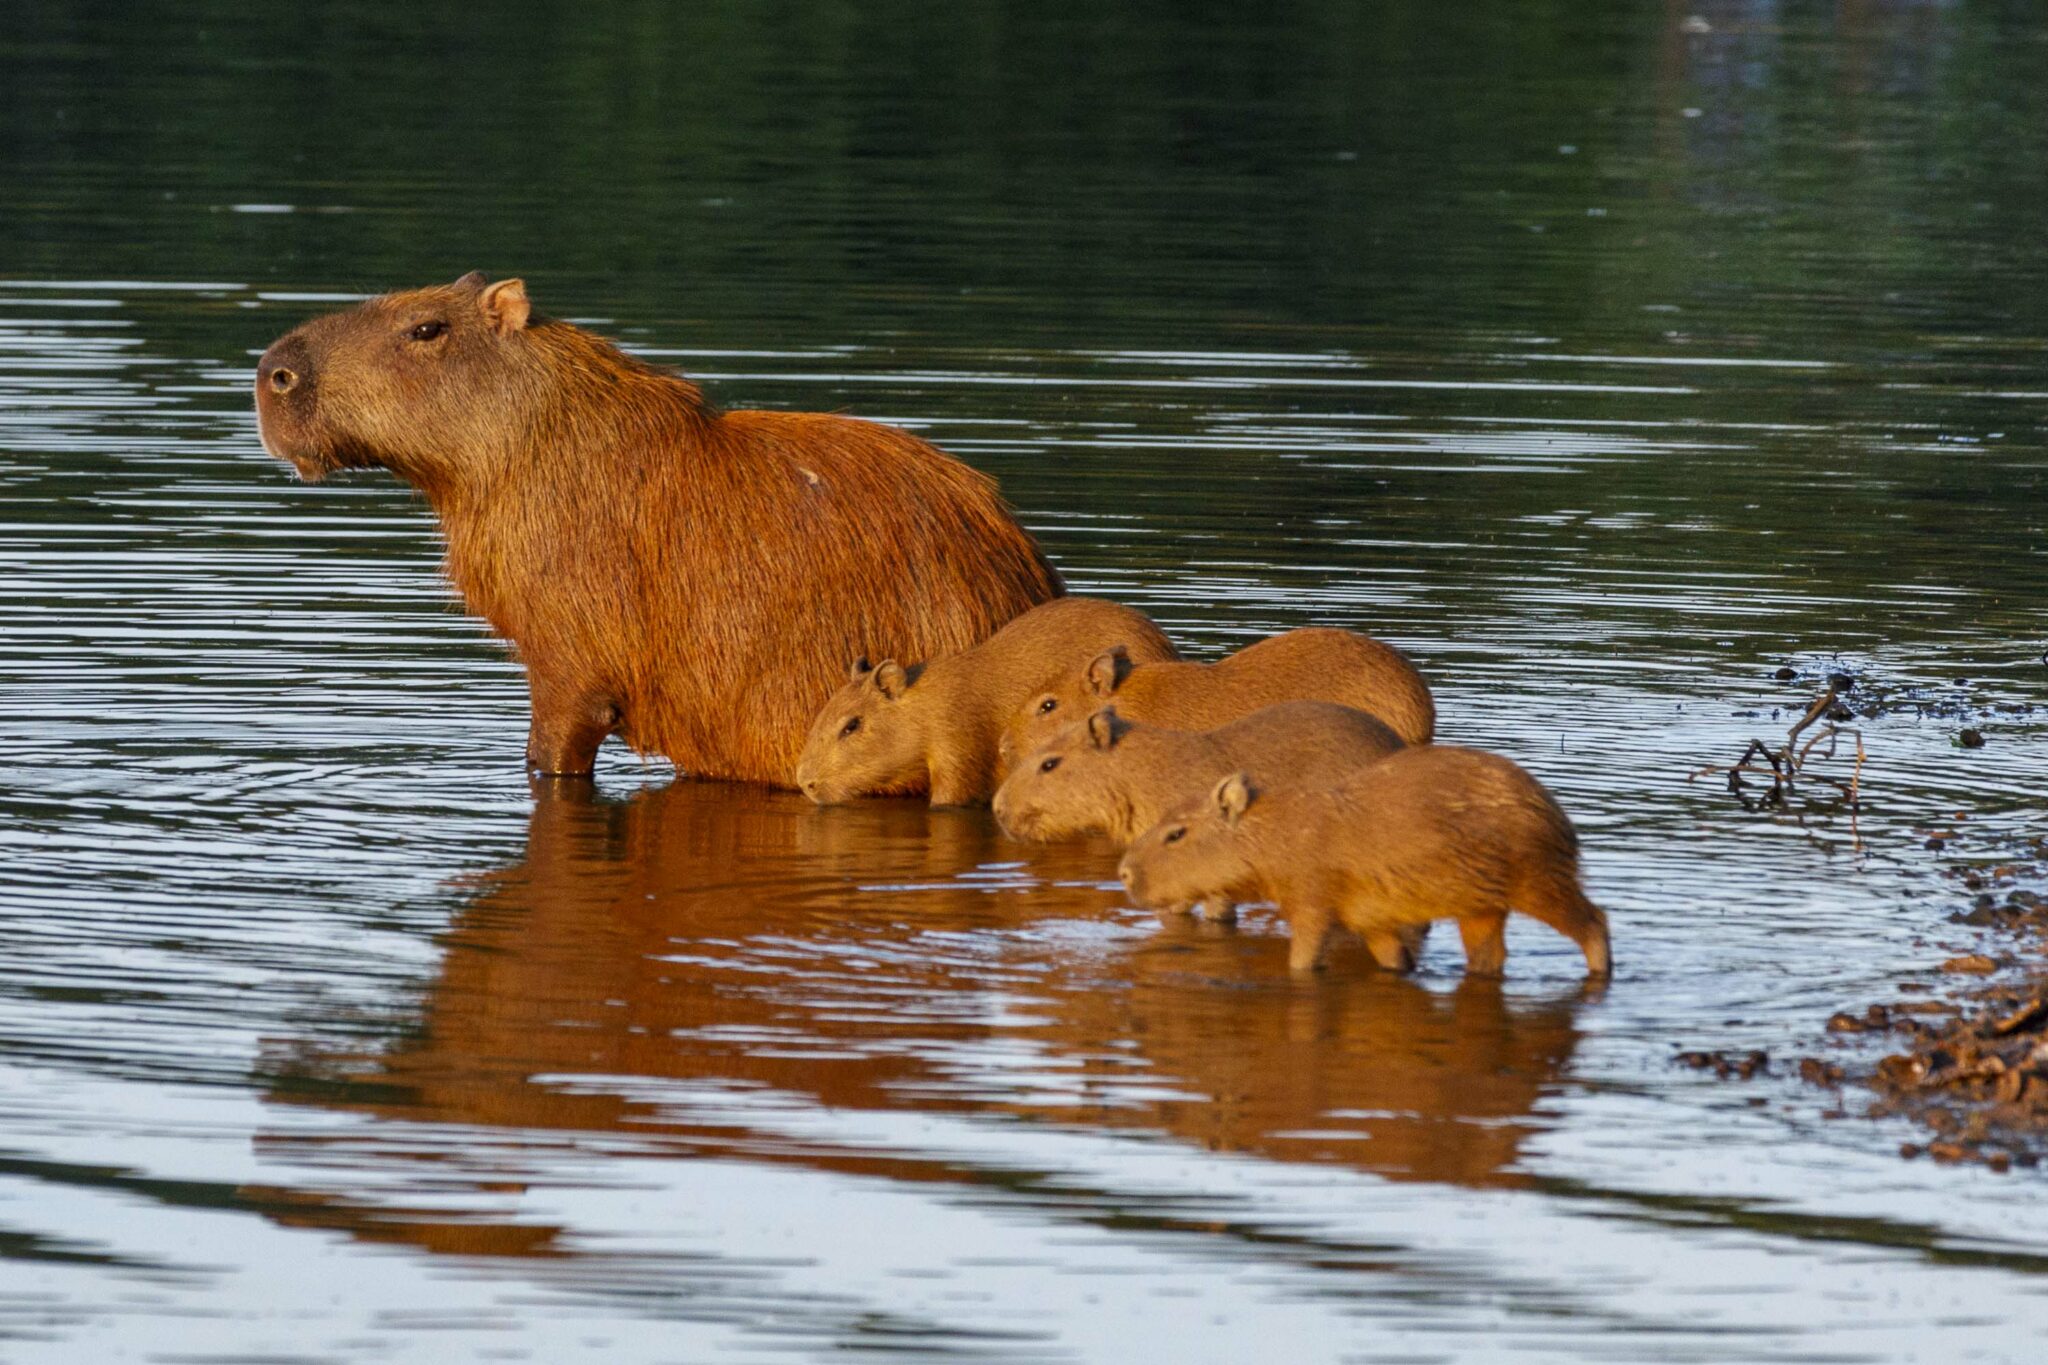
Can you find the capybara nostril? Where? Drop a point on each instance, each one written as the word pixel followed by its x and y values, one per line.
pixel 282 380
pixel 1123 874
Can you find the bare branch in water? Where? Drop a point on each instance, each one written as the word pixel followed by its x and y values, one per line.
pixel 1785 767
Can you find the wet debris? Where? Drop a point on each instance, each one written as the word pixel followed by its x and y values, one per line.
pixel 1972 1068
pixel 1737 1066
pixel 1785 766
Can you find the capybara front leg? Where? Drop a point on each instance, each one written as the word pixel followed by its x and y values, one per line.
pixel 1219 910
pixel 1311 933
pixel 1393 949
pixel 1486 944
pixel 567 728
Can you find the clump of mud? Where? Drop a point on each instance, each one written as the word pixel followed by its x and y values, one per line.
pixel 1971 1062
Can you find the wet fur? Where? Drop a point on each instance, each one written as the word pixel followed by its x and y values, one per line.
pixel 1122 787
pixel 1425 834
pixel 1312 664
pixel 693 580
pixel 937 730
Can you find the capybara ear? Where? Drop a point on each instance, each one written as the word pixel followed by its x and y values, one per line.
pixel 890 679
pixel 506 306
pixel 1107 670
pixel 861 668
pixel 473 281
pixel 1233 794
pixel 1105 729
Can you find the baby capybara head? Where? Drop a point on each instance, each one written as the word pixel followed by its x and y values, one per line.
pixel 868 740
pixel 1196 851
pixel 1071 698
pixel 1068 785
pixel 402 382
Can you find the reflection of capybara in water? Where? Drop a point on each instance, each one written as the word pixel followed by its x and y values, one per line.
pixel 935 726
pixel 1113 776
pixel 1315 664
pixel 666 971
pixel 691 580
pixel 1424 834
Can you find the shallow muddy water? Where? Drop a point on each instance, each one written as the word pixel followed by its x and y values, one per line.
pixel 1607 362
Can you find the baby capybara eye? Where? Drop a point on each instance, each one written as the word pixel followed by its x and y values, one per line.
pixel 1048 765
pixel 1176 834
pixel 849 727
pixel 1048 706
pixel 427 331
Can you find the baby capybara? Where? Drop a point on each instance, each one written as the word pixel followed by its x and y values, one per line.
pixel 1313 664
pixel 690 579
pixel 934 727
pixel 1107 775
pixel 1424 834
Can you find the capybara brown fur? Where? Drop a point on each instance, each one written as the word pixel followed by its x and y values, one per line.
pixel 1107 775
pixel 899 729
pixel 1426 833
pixel 690 579
pixel 1312 664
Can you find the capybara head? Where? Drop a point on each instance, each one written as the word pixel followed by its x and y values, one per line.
pixel 1069 785
pixel 404 382
pixel 1069 699
pixel 867 741
pixel 1196 852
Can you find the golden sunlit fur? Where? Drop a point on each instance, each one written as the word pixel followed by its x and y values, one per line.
pixel 1426 833
pixel 695 581
pixel 1116 777
pixel 934 726
pixel 1314 664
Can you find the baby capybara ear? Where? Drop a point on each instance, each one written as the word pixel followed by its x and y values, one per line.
pixel 505 306
pixel 861 668
pixel 1107 670
pixel 890 679
pixel 1234 794
pixel 473 281
pixel 1105 729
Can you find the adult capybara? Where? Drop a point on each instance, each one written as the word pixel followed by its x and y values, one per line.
pixel 1107 775
pixel 1312 664
pixel 689 579
pixel 1424 834
pixel 897 729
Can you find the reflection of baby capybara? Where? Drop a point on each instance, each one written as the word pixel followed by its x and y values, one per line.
pixel 1112 776
pixel 1424 834
pixel 691 580
pixel 1314 664
pixel 935 726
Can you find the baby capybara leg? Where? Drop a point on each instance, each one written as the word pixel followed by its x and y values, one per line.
pixel 1219 910
pixel 1393 949
pixel 1486 944
pixel 1559 903
pixel 1311 932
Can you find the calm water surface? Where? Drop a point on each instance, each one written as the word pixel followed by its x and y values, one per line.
pixel 1605 358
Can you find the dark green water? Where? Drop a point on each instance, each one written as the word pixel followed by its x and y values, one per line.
pixel 1605 357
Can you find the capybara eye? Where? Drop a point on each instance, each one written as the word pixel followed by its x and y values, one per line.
pixel 1048 765
pixel 1176 834
pixel 427 331
pixel 849 727
pixel 1048 706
